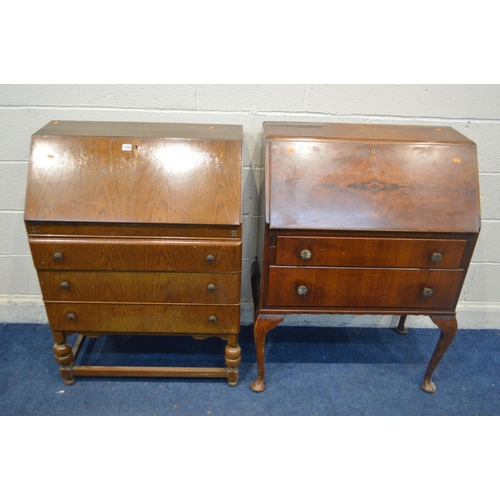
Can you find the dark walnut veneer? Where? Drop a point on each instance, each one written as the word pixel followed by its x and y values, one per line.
pixel 365 219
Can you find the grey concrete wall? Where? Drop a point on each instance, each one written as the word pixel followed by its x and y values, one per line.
pixel 473 110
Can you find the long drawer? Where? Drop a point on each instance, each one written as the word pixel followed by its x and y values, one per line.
pixel 151 287
pixel 136 255
pixel 369 252
pixel 363 288
pixel 143 318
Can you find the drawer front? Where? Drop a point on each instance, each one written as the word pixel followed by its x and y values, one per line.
pixel 136 255
pixel 157 287
pixel 369 252
pixel 143 318
pixel 363 288
pixel 83 229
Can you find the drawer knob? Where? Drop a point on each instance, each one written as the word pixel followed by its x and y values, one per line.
pixel 71 316
pixel 210 258
pixel 302 290
pixel 427 292
pixel 436 257
pixel 211 287
pixel 305 254
pixel 58 256
pixel 212 319
pixel 64 284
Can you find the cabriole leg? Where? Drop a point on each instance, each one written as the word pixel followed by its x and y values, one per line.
pixel 64 356
pixel 263 323
pixel 448 327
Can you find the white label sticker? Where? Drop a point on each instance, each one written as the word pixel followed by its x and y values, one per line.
pixel 126 147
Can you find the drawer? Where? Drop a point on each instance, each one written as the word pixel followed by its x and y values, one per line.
pixel 136 254
pixel 153 287
pixel 369 252
pixel 363 288
pixel 84 229
pixel 144 318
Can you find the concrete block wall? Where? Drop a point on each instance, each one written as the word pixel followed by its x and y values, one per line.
pixel 474 110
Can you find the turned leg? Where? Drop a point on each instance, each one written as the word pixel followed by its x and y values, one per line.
pixel 64 356
pixel 448 327
pixel 401 329
pixel 263 323
pixel 233 359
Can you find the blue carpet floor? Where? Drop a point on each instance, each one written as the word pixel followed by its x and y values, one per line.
pixel 309 371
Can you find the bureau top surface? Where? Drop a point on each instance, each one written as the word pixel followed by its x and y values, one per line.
pixel 210 131
pixel 135 173
pixel 363 132
pixel 370 177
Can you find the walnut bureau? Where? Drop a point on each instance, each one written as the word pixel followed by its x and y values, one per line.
pixel 135 228
pixel 365 219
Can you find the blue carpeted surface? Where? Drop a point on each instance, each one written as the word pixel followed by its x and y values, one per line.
pixel 309 371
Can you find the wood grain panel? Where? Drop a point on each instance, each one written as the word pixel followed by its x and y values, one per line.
pixel 93 179
pixel 373 186
pixel 352 288
pixel 132 230
pixel 136 255
pixel 369 252
pixel 143 318
pixel 148 287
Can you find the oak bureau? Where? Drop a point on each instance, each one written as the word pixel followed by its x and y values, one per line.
pixel 365 219
pixel 135 228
